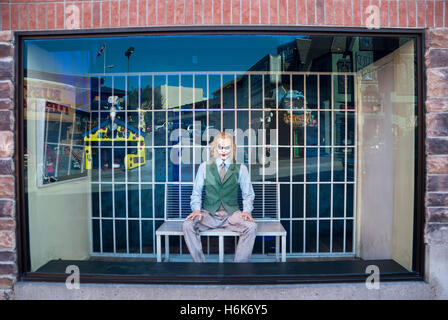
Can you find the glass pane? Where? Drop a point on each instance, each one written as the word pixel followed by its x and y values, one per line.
pixel 133 201
pixel 324 236
pixel 107 227
pixel 120 200
pixel 297 200
pixel 284 164
pixel 285 120
pixel 311 236
pixel 256 91
pixel 324 200
pixel 297 164
pixel 132 93
pixel 215 91
pixel 201 88
pixel 228 121
pixel 160 164
pixel 102 134
pixel 228 91
pixel 160 128
pixel 242 92
pixel 284 201
pixel 297 236
pixel 147 236
pixel 160 92
pixel 256 125
pixel 311 200
pixel 134 236
pixel 311 91
pixel 271 162
pixel 146 92
pixel 242 130
pixel 174 135
pixel 146 197
pixel 325 91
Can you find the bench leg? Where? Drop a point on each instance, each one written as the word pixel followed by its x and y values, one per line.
pixel 167 248
pixel 221 249
pixel 283 248
pixel 277 248
pixel 159 249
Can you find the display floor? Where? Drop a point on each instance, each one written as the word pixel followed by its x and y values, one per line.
pixel 148 271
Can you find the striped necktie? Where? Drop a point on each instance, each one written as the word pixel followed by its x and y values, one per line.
pixel 222 172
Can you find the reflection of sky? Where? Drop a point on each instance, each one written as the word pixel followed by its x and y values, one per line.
pixel 152 53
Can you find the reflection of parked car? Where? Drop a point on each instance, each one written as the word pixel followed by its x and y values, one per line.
pixel 166 125
pixel 202 129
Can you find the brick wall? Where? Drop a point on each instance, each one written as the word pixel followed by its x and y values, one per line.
pixel 51 15
pixel 8 257
pixel 437 136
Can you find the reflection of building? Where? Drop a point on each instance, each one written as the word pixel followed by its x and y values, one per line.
pixel 60 88
pixel 166 97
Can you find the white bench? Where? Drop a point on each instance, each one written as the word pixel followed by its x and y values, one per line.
pixel 265 213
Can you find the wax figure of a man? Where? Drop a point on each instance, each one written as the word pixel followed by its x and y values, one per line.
pixel 221 177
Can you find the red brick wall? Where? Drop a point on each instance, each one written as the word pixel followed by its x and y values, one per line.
pixel 436 59
pixel 50 14
pixel 8 256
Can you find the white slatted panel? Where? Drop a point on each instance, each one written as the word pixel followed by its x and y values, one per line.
pixel 266 207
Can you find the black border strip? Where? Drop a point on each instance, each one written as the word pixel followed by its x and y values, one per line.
pixel 420 181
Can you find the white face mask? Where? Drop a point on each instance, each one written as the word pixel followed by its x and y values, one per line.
pixel 224 149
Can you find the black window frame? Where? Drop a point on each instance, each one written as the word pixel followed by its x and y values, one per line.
pixel 22 229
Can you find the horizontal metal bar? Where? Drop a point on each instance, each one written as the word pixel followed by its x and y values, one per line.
pixel 240 73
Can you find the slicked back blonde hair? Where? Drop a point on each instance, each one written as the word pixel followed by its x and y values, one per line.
pixel 222 136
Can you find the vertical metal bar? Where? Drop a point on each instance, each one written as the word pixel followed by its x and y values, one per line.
pixel 345 164
pixel 277 248
pixel 166 139
pixel 249 141
pixel 153 149
pixel 56 172
pixel 180 156
pixel 207 117
pixel 139 186
pixel 276 119
pixel 207 111
pixel 126 169
pixel 194 126
pixel 167 247
pixel 283 248
pixel 159 249
pixel 291 151
pixel 46 125
pixel 318 163
pixel 113 177
pixel 100 214
pixel 222 107
pixel 355 167
pixel 304 161
pixel 332 163
pixel 263 114
pixel 71 143
pixel 221 248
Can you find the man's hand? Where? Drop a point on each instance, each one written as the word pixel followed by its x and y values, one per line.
pixel 246 216
pixel 194 214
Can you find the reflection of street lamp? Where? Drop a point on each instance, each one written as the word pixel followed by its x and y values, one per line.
pixel 128 54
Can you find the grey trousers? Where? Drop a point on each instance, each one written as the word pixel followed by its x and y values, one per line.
pixel 247 230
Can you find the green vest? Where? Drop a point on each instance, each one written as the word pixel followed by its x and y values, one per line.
pixel 217 191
